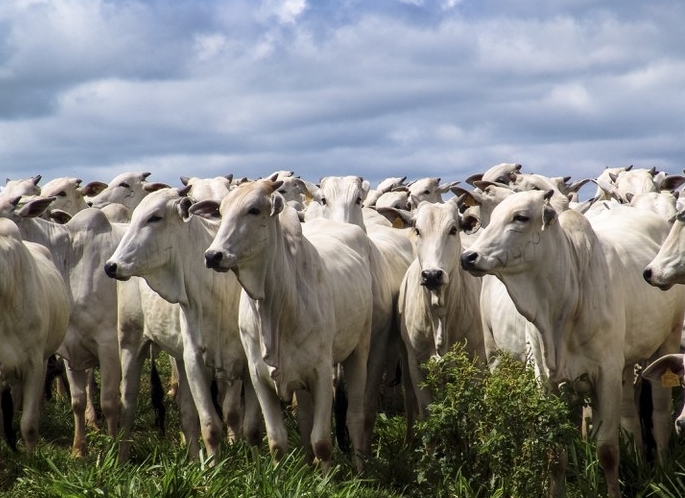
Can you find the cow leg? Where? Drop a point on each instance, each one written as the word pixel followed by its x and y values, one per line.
pixel 190 424
pixel 132 358
pixel 304 412
pixel 410 401
pixel 662 402
pixel 34 380
pixel 252 419
pixel 322 399
pixel 110 379
pixel 199 381
pixel 630 418
pixel 376 366
pixel 91 412
pixel 230 394
pixel 606 421
pixel 354 367
pixel 273 419
pixel 662 422
pixel 77 386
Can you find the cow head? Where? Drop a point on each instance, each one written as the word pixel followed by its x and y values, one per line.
pixel 511 242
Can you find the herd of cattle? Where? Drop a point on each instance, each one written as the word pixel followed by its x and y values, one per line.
pixel 278 287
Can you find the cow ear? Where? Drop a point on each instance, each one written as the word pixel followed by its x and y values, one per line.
pixel 59 216
pixel 366 186
pixel 669 363
pixel 400 218
pixel 93 188
pixel 549 214
pixel 277 204
pixel 34 207
pixel 470 223
pixel 184 208
pixel 206 209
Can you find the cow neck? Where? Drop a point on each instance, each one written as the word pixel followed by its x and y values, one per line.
pixel 54 236
pixel 18 268
pixel 277 277
pixel 548 294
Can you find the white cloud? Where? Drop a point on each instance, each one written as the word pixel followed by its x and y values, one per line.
pixel 358 87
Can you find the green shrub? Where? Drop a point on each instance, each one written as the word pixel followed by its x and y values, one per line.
pixel 490 433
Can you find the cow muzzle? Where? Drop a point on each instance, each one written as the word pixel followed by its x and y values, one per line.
pixel 469 262
pixel 433 279
pixel 111 269
pixel 217 260
pixel 651 279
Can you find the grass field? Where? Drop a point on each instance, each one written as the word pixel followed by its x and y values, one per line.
pixel 159 466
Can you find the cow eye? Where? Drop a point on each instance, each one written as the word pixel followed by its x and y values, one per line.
pixel 125 185
pixel 62 193
pixel 282 191
pixel 253 210
pixel 154 219
pixel 454 231
pixel 522 218
pixel 417 232
pixel 426 192
pixel 323 201
pixel 358 201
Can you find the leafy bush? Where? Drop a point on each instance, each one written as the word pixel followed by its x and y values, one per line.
pixel 490 433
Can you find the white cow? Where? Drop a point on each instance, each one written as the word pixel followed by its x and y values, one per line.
pixel 127 189
pixel 386 185
pixel 33 322
pixel 78 249
pixel 67 193
pixel 24 187
pixel 207 188
pixel 395 199
pixel 428 189
pixel 163 244
pixel 438 302
pixel 391 252
pixel 306 305
pixel 667 268
pixel 503 173
pixel 580 287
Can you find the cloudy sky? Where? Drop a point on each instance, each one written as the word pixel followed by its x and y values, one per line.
pixel 377 88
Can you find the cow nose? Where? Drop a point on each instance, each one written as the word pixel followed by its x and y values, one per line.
pixel 111 269
pixel 213 258
pixel 647 274
pixel 468 259
pixel 432 279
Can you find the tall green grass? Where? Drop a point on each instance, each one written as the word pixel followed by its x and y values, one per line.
pixel 489 434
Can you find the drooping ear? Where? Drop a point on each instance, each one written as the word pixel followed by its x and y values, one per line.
pixel 469 222
pixel 208 209
pixel 669 362
pixel 153 187
pixel 366 186
pixel 184 208
pixel 35 207
pixel 277 203
pixel 59 216
pixel 93 188
pixel 400 218
pixel 549 214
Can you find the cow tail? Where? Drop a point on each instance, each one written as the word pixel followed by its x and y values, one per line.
pixel 157 397
pixel 342 435
pixel 7 416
